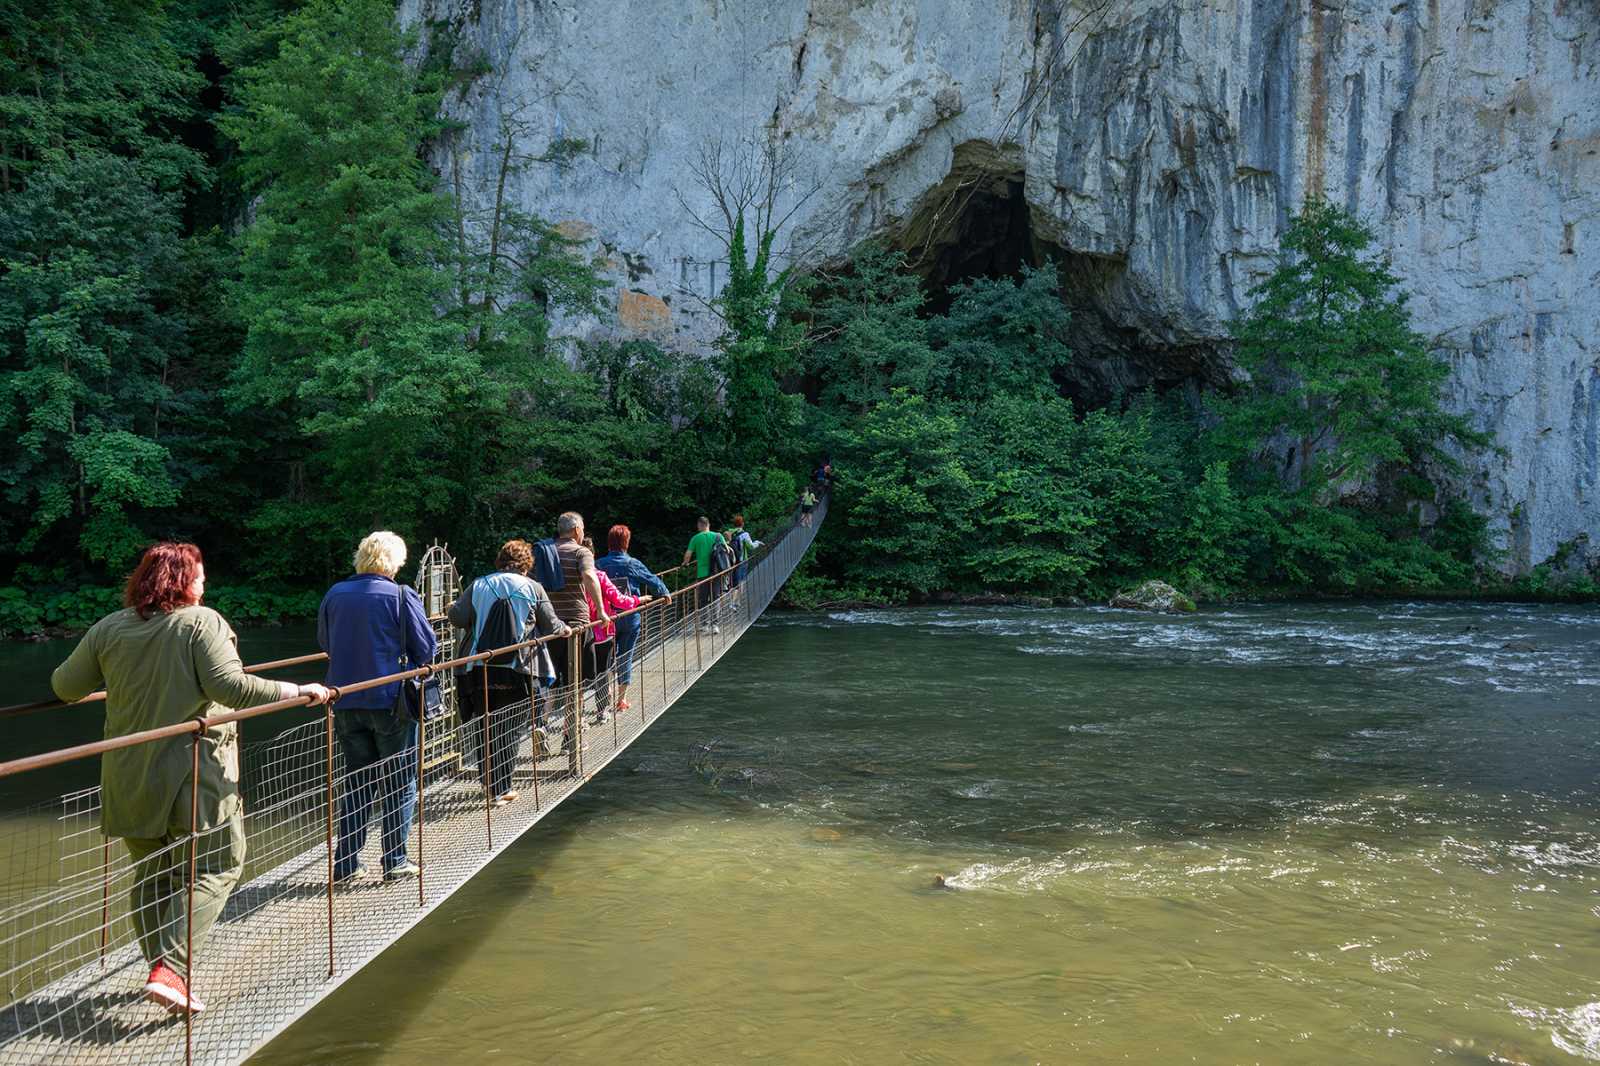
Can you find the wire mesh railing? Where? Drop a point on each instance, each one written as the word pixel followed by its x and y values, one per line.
pixel 295 887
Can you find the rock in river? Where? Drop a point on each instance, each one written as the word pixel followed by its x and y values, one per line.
pixel 1153 596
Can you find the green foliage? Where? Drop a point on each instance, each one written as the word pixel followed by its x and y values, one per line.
pixel 340 279
pixel 401 351
pixel 760 345
pixel 1336 367
pixel 1002 337
pixel 95 76
pixel 1207 545
pixel 911 503
pixel 88 253
pixel 38 611
pixel 868 336
pixel 1037 512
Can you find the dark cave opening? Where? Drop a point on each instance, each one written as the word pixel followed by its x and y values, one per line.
pixel 977 222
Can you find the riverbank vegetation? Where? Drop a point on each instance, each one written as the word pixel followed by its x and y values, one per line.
pixel 239 306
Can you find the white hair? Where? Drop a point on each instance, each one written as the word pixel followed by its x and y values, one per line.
pixel 380 553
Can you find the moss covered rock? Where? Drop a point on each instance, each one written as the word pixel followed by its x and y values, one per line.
pixel 1153 596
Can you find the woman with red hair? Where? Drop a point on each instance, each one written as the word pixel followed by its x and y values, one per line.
pixel 633 578
pixel 164 659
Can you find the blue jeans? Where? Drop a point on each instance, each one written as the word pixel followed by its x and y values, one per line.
pixel 627 638
pixel 380 759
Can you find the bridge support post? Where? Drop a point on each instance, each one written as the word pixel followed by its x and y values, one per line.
pixel 699 623
pixel 575 716
pixel 328 839
pixel 535 744
pixel 194 863
pixel 105 898
pixel 486 766
pixel 422 804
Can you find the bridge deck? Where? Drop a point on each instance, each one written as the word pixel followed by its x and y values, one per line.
pixel 267 960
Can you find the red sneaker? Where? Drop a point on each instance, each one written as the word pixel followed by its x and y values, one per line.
pixel 166 989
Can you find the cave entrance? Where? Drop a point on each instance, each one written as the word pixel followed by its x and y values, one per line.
pixel 975 223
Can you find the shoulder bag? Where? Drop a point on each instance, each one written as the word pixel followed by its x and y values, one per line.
pixel 420 698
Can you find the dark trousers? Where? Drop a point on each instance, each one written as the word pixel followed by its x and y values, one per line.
pixel 380 752
pixel 506 689
pixel 595 660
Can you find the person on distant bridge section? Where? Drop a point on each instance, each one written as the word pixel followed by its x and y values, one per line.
pixel 370 625
pixel 580 588
pixel 808 503
pixel 164 659
pixel 744 546
pixel 498 610
pixel 702 552
pixel 634 578
pixel 605 642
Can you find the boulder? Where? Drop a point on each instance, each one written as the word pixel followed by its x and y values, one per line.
pixel 1153 596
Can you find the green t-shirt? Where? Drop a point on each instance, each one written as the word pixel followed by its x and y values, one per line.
pixel 702 545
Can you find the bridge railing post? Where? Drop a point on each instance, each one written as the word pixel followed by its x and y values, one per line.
pixel 422 803
pixel 701 607
pixel 194 869
pixel 328 818
pixel 575 715
pixel 486 765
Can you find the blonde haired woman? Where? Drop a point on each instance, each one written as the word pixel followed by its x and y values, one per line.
pixel 367 623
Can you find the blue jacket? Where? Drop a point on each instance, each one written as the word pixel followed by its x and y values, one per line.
pixel 358 625
pixel 630 576
pixel 547 565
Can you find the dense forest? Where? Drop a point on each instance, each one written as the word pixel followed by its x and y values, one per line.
pixel 238 306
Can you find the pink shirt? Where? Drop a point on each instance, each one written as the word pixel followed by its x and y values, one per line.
pixel 616 600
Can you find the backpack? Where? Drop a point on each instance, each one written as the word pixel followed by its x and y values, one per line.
pixel 499 629
pixel 721 556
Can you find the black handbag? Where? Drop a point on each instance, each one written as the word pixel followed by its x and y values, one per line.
pixel 421 698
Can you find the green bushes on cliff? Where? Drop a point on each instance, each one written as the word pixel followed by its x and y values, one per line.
pixel 979 475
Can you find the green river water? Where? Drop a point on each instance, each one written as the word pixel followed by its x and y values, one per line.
pixel 1280 834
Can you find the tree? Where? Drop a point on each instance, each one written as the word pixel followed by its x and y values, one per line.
pixel 88 252
pixel 1334 363
pixel 911 501
pixel 1002 336
pixel 754 189
pixel 346 270
pixel 1040 525
pixel 95 75
pixel 868 336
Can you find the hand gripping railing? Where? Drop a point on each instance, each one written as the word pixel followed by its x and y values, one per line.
pixel 62 940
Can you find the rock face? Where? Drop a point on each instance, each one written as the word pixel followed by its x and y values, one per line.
pixel 1156 147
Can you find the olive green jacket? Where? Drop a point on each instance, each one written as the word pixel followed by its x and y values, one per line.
pixel 158 671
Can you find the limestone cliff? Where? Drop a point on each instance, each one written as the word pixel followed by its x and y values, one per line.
pixel 1155 146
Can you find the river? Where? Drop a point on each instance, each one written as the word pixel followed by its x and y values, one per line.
pixel 1353 833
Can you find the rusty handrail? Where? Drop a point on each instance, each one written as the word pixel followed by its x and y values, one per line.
pixel 199 725
pixel 95 697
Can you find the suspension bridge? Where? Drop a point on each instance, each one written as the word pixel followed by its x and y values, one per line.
pixel 290 934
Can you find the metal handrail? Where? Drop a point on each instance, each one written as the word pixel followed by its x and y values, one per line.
pixel 201 724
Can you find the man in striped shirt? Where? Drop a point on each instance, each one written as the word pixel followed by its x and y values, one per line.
pixel 571 601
